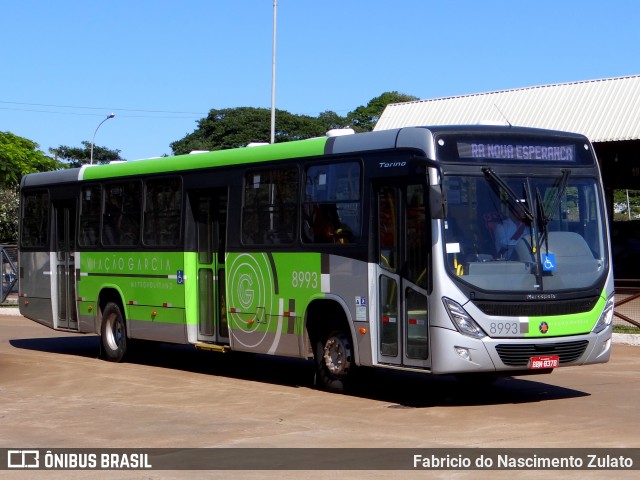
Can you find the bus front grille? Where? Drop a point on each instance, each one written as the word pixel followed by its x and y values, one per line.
pixel 536 309
pixel 518 355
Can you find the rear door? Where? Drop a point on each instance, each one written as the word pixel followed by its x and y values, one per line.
pixel 65 278
pixel 210 209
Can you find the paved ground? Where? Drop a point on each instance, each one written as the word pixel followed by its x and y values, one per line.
pixel 56 393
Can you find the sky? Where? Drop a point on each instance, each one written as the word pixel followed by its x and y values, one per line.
pixel 160 66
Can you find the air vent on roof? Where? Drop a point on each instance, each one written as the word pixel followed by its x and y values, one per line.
pixel 338 132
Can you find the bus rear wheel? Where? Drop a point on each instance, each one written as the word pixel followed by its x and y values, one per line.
pixel 113 333
pixel 334 362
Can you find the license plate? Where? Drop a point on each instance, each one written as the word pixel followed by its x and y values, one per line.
pixel 545 361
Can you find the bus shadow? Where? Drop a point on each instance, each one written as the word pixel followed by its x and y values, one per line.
pixel 399 389
pixel 77 345
pixel 414 390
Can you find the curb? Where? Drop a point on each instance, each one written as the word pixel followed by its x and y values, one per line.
pixel 626 339
pixel 9 311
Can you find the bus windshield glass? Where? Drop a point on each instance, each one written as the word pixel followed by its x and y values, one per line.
pixel 524 234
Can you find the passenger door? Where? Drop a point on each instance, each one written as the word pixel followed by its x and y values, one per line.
pixel 210 210
pixel 65 310
pixel 403 247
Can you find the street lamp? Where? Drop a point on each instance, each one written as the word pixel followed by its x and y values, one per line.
pixel 273 76
pixel 111 115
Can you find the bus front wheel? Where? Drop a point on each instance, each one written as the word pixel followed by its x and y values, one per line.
pixel 113 333
pixel 334 362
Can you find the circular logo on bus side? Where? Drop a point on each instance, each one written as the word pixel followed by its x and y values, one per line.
pixel 544 327
pixel 251 299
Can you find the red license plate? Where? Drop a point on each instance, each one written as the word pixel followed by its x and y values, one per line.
pixel 545 361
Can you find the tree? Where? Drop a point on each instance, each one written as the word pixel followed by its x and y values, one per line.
pixel 19 156
pixel 363 119
pixel 237 127
pixel 8 215
pixel 331 120
pixel 77 156
pixel 626 205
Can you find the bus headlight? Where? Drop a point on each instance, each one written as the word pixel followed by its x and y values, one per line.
pixel 461 319
pixel 606 317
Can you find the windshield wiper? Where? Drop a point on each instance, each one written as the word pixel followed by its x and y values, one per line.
pixel 543 220
pixel 519 206
pixel 562 186
pixel 544 215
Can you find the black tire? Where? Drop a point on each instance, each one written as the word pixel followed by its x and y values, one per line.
pixel 113 333
pixel 334 362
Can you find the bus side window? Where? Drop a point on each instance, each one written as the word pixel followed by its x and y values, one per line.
pixel 121 214
pixel 416 225
pixel 332 207
pixel 90 201
pixel 35 219
pixel 162 208
pixel 269 206
pixel 387 228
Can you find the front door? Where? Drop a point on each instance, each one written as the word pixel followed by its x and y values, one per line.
pixel 210 210
pixel 65 246
pixel 403 247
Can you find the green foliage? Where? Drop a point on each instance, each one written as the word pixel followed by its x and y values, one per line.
pixel 363 119
pixel 626 328
pixel 330 120
pixel 76 156
pixel 8 215
pixel 19 156
pixel 237 127
pixel 622 210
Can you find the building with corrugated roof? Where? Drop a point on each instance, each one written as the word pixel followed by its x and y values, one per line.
pixel 605 110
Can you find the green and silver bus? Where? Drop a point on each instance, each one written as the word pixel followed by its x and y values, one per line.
pixel 378 249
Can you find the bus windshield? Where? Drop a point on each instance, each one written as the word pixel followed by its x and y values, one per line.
pixel 524 234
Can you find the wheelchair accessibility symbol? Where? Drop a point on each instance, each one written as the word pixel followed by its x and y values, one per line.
pixel 548 262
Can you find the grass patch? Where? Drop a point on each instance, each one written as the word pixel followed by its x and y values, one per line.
pixel 626 329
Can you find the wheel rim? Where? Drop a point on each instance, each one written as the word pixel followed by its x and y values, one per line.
pixel 115 332
pixel 337 355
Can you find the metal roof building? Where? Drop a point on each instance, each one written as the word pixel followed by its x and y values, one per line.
pixel 604 110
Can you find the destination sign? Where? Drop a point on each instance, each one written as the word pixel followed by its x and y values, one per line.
pixel 516 151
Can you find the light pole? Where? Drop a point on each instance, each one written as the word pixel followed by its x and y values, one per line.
pixel 111 115
pixel 273 76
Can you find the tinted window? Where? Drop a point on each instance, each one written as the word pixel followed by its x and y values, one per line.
pixel 163 202
pixel 35 219
pixel 332 207
pixel 121 214
pixel 269 212
pixel 90 204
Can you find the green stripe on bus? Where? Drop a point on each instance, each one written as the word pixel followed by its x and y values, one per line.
pixel 143 278
pixel 237 156
pixel 559 325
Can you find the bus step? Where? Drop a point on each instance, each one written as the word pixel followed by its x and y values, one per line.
pixel 212 347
